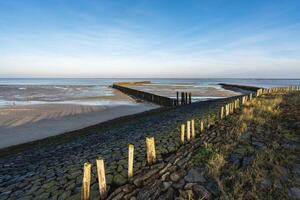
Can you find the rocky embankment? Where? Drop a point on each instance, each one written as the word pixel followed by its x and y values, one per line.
pixel 52 168
pixel 252 154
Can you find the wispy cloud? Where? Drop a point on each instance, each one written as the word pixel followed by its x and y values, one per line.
pixel 91 44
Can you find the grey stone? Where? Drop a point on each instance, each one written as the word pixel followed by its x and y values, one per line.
pixel 294 193
pixel 44 195
pixel 65 195
pixel 166 185
pixel 194 176
pixel 189 186
pixel 176 176
pixel 247 161
pixel 235 159
pixel 119 179
pixel 266 183
pixel 201 192
pixel 169 195
pixel 179 185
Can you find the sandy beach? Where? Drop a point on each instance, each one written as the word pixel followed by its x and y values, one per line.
pixel 25 123
pixel 28 123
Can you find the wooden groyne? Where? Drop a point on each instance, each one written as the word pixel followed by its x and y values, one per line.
pixel 186 98
pixel 239 87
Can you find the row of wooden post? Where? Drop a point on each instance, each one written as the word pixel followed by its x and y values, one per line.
pixel 188 131
pixel 86 180
pixel 277 89
pixel 186 134
pixel 151 159
pixel 186 98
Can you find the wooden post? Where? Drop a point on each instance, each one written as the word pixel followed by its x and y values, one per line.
pixel 222 112
pixel 201 126
pixel 193 128
pixel 101 177
pixel 86 181
pixel 227 109
pixel 182 98
pixel 151 156
pixel 190 98
pixel 177 98
pixel 130 160
pixel 182 133
pixel 188 130
pixel 186 98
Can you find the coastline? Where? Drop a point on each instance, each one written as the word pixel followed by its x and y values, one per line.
pixel 55 163
pixel 21 124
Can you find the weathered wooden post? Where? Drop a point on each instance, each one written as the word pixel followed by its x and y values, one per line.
pixel 101 177
pixel 190 98
pixel 182 133
pixel 227 109
pixel 130 160
pixel 182 98
pixel 177 98
pixel 193 128
pixel 201 126
pixel 186 98
pixel 222 112
pixel 188 130
pixel 151 156
pixel 250 96
pixel 86 181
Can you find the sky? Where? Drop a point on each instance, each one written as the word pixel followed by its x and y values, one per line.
pixel 150 38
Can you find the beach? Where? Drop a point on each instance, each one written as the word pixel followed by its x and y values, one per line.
pixel 29 123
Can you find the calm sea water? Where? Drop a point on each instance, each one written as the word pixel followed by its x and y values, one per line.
pixel 106 82
pixel 23 91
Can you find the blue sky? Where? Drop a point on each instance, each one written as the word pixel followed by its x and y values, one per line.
pixel 95 38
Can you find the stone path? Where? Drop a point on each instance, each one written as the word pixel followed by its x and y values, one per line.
pixel 54 171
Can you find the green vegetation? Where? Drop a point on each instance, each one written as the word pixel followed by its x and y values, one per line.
pixel 204 154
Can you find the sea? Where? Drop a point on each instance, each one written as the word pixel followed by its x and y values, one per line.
pixel 90 91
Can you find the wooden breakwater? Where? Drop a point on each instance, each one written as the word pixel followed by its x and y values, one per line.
pixel 239 87
pixel 186 98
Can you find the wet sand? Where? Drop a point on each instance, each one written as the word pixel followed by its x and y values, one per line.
pixel 170 90
pixel 28 123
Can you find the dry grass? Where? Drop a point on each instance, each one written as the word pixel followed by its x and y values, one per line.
pixel 266 176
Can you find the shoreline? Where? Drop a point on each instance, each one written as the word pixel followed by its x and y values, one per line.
pixel 29 122
pixel 67 135
pixel 77 133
